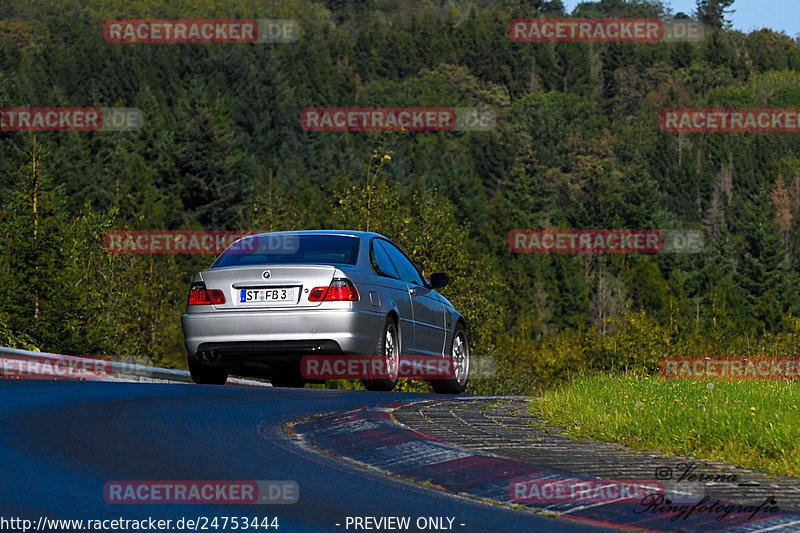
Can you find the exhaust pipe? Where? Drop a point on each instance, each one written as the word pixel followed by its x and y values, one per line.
pixel 207 357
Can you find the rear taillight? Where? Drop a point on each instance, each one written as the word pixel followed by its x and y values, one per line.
pixel 340 290
pixel 317 294
pixel 199 295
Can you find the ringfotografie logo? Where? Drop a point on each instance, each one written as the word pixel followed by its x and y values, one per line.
pixel 719 510
pixel 692 472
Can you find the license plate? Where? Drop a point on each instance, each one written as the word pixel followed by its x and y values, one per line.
pixel 280 294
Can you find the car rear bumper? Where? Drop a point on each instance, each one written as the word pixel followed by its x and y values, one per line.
pixel 274 333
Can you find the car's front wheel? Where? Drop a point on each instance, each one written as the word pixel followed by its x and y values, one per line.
pixel 388 352
pixel 207 375
pixel 459 360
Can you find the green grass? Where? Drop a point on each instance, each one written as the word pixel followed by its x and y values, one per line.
pixel 752 424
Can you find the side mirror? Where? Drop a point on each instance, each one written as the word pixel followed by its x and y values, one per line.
pixel 439 280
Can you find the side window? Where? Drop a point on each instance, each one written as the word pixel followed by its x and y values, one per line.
pixel 381 262
pixel 404 267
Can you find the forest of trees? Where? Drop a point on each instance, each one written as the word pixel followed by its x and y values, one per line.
pixel 577 145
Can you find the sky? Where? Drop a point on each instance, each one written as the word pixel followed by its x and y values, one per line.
pixel 778 15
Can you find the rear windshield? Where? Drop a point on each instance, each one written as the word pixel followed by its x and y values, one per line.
pixel 282 249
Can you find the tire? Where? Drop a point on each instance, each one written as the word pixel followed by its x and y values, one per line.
pixel 292 382
pixel 459 358
pixel 388 348
pixel 207 375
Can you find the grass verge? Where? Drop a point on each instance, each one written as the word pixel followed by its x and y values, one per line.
pixel 752 424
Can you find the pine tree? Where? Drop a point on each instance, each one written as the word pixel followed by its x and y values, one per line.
pixel 49 261
pixel 712 12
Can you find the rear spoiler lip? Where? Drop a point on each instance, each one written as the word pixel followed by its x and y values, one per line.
pixel 265 283
pixel 288 265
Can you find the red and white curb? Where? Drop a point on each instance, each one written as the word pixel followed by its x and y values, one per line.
pixel 371 437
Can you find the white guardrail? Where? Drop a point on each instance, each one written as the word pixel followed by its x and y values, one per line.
pixel 24 364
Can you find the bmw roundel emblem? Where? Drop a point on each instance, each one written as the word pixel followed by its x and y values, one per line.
pixel 266 274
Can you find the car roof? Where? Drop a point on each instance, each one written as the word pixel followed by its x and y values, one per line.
pixel 348 233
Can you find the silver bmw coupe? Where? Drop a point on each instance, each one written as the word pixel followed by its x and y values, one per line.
pixel 274 299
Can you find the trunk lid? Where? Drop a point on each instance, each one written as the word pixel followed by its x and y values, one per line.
pixel 268 287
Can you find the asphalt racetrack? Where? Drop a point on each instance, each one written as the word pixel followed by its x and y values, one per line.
pixel 62 441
